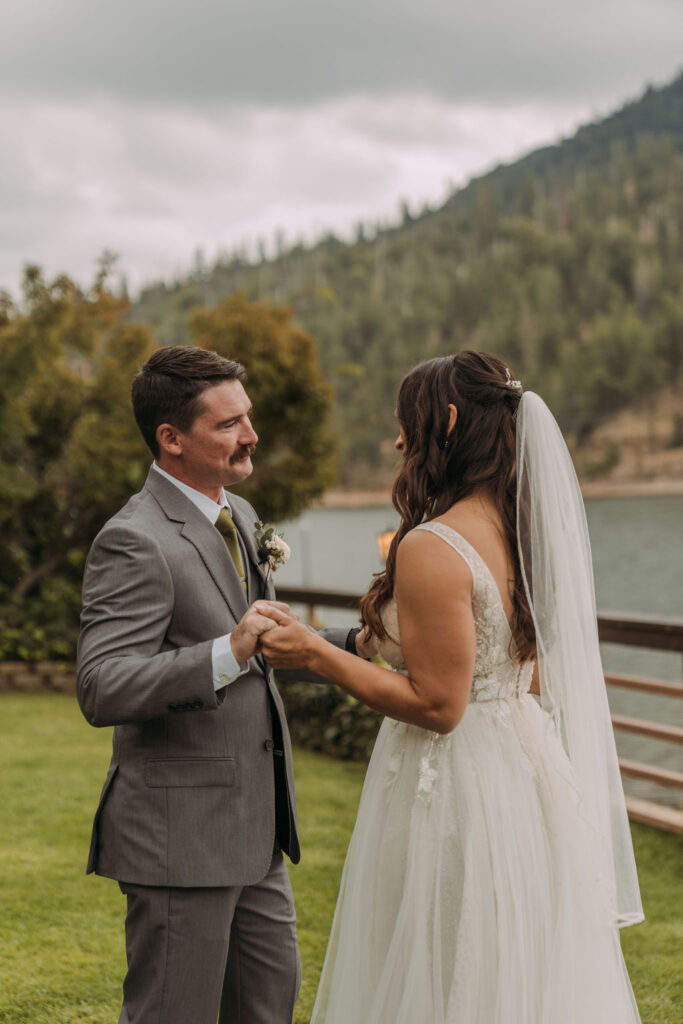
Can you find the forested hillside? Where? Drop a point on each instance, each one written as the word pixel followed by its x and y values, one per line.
pixel 568 264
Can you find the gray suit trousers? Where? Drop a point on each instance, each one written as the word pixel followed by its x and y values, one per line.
pixel 196 955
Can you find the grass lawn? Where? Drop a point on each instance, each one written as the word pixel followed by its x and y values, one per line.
pixel 61 934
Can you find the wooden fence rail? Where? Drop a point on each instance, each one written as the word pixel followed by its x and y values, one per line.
pixel 613 627
pixel 632 630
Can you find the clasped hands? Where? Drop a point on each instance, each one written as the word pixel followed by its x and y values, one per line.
pixel 273 629
pixel 260 624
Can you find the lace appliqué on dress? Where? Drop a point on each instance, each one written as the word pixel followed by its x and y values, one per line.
pixel 427 773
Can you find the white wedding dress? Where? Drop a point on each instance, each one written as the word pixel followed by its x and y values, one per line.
pixel 470 892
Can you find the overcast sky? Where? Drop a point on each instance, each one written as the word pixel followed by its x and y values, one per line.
pixel 154 128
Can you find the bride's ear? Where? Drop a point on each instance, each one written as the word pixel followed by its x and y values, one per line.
pixel 453 415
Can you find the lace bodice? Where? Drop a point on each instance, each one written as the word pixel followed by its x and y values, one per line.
pixel 496 673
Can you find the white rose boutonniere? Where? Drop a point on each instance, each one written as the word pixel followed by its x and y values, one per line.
pixel 271 548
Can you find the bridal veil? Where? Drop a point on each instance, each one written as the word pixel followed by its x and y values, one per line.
pixel 555 559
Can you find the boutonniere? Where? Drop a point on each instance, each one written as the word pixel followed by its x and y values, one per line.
pixel 270 547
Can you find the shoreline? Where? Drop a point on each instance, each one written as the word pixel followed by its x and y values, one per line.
pixel 376 498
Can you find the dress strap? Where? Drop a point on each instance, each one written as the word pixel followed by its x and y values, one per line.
pixel 459 544
pixel 481 574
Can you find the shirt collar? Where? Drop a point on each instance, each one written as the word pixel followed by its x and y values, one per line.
pixel 206 505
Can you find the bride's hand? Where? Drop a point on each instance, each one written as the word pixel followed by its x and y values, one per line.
pixel 287 645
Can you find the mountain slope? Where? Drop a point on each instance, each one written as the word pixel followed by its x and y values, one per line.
pixel 568 264
pixel 658 113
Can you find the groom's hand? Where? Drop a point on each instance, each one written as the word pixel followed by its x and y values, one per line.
pixel 244 639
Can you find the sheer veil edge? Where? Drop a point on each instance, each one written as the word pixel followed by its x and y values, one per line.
pixel 555 560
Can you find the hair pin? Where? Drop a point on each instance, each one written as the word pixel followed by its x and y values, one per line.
pixel 516 385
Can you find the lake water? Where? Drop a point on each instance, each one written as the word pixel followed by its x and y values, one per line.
pixel 637 546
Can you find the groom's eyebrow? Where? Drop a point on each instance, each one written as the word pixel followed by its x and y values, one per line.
pixel 234 419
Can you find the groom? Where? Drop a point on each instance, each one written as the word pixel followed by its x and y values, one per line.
pixel 198 805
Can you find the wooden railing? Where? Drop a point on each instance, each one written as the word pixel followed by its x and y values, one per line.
pixel 656 634
pixel 614 628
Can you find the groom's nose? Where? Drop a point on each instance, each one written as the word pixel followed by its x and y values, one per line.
pixel 248 434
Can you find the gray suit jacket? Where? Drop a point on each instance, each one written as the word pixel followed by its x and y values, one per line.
pixel 189 799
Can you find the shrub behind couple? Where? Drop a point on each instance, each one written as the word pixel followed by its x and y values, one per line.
pixel 491 864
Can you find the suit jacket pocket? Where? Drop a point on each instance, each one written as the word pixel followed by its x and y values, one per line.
pixel 179 772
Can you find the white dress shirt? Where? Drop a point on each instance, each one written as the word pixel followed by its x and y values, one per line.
pixel 226 669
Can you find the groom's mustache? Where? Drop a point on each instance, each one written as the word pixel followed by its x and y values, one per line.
pixel 245 451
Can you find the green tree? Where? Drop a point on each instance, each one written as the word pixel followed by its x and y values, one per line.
pixel 486 212
pixel 295 462
pixel 70 452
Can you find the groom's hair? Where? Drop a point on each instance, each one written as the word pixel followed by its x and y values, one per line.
pixel 168 387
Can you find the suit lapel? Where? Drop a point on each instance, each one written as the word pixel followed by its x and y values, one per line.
pixel 216 557
pixel 204 537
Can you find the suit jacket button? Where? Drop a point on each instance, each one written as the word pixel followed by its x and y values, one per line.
pixel 197 704
pixel 269 745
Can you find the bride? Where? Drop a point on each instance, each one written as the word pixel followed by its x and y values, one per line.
pixel 491 862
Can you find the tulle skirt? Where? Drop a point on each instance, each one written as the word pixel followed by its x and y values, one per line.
pixel 469 893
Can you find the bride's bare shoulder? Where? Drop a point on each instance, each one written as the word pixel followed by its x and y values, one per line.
pixel 481 526
pixel 424 559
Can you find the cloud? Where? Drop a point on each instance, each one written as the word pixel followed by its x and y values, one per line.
pixel 269 52
pixel 154 128
pixel 155 183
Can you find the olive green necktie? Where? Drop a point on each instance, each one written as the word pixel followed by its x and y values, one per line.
pixel 226 527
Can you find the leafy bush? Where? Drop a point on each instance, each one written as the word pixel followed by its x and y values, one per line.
pixel 43 626
pixel 325 719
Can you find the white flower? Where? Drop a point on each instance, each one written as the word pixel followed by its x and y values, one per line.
pixel 278 551
pixel 427 776
pixel 272 549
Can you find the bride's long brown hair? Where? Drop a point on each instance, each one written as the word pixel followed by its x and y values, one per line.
pixel 439 469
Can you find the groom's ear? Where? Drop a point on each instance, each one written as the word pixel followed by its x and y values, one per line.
pixel 169 439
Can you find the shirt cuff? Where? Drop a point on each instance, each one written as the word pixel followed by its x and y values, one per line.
pixel 350 644
pixel 226 668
